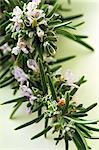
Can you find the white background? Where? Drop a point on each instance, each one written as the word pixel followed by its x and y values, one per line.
pixel 86 63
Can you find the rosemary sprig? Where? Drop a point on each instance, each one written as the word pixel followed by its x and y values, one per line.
pixel 27 50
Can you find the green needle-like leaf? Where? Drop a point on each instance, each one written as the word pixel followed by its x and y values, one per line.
pixel 77 115
pixel 84 130
pixel 66 142
pixel 66 34
pixel 42 133
pixel 92 128
pixel 82 138
pixel 72 17
pixel 72 37
pixel 15 109
pixel 43 77
pixel 7 83
pixel 5 72
pixel 46 124
pixel 54 69
pixel 30 122
pixel 61 60
pixel 81 121
pixel 78 141
pixel 88 108
pixel 52 88
pixel 15 100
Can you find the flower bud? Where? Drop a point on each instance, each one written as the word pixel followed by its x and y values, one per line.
pixel 61 102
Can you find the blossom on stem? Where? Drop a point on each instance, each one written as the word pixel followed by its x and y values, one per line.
pixel 5 48
pixel 21 45
pixel 17 14
pixel 16 50
pixel 27 92
pixel 31 63
pixel 19 75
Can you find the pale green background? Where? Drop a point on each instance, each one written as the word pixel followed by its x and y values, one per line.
pixel 86 63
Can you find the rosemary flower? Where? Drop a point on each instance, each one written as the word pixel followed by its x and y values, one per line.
pixel 21 45
pixel 17 14
pixel 31 63
pixel 19 74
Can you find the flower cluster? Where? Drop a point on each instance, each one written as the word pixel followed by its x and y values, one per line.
pixel 27 22
pixel 28 63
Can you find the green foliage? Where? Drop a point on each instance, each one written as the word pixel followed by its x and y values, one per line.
pixel 54 95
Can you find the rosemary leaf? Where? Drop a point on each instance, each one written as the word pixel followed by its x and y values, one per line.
pixel 15 109
pixel 14 100
pixel 81 121
pixel 41 133
pixel 52 89
pixel 30 122
pixel 43 77
pixel 88 108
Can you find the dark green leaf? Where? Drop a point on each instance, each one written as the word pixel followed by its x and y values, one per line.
pixel 54 69
pixel 30 122
pixel 88 108
pixel 82 138
pixel 92 128
pixel 72 17
pixel 7 83
pixel 15 109
pixel 72 37
pixel 41 133
pixel 43 77
pixel 46 125
pixel 77 115
pixel 14 100
pixel 81 121
pixel 84 130
pixel 52 88
pixel 61 60
pixel 66 34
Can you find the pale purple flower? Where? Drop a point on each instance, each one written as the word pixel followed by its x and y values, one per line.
pixel 5 48
pixel 31 6
pixel 31 63
pixel 27 92
pixel 19 75
pixel 70 78
pixel 21 45
pixel 17 13
pixel 17 24
pixel 15 50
